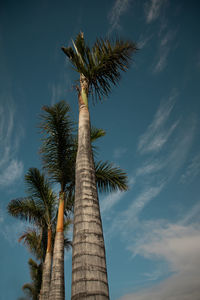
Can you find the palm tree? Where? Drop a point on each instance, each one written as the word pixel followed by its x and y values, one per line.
pixel 58 152
pixel 33 289
pixel 36 244
pixel 99 67
pixel 40 209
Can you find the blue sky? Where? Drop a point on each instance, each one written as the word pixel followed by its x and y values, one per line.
pixel 152 124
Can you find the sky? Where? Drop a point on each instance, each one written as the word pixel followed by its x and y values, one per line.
pixel 152 231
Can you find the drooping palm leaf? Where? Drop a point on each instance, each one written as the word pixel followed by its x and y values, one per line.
pixel 38 187
pixel 33 241
pixel 110 178
pixel 25 209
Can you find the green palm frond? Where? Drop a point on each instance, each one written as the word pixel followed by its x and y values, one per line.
pixel 57 144
pixel 33 241
pixel 96 133
pixel 26 209
pixel 102 64
pixel 38 187
pixel 110 178
pixel 33 289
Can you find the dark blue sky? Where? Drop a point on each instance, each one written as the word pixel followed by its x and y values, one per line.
pixel 152 124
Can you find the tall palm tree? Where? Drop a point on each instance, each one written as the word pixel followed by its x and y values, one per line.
pixel 40 209
pixel 99 68
pixel 58 152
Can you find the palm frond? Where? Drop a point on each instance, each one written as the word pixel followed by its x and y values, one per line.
pixel 110 178
pixel 38 187
pixel 96 133
pixel 34 242
pixel 26 209
pixel 102 64
pixel 57 144
pixel 33 289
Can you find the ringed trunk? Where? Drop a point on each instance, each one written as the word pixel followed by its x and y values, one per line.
pixel 89 273
pixel 46 273
pixel 57 287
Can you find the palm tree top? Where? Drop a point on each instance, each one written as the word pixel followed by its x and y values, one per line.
pixel 56 149
pixel 101 64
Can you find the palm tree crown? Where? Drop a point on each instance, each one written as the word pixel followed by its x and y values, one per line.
pixel 101 64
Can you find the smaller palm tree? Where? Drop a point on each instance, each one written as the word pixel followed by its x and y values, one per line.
pixel 39 208
pixel 32 289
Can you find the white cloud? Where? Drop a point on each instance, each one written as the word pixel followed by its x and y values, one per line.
pixel 179 246
pixel 141 200
pixel 12 232
pixel 153 9
pixel 11 173
pixel 119 8
pixel 156 135
pixel 192 170
pixel 10 168
pixel 149 168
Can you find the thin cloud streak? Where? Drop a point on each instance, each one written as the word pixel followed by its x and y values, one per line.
pixel 119 8
pixel 109 201
pixel 192 170
pixel 153 10
pixel 156 135
pixel 11 168
pixel 164 50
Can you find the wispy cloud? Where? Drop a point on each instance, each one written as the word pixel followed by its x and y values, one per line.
pixel 11 168
pixel 156 172
pixel 12 231
pixel 163 51
pixel 13 171
pixel 119 8
pixel 192 170
pixel 143 40
pixel 157 135
pixel 109 201
pixel 153 9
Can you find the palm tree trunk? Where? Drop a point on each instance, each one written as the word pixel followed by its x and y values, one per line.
pixel 89 274
pixel 46 273
pixel 57 288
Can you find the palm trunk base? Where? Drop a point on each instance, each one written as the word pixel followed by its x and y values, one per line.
pixel 57 289
pixel 46 277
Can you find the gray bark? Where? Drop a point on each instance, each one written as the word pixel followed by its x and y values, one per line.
pixel 89 273
pixel 46 277
pixel 57 288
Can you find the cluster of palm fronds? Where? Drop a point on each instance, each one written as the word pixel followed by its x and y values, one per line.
pixel 100 67
pixel 39 207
